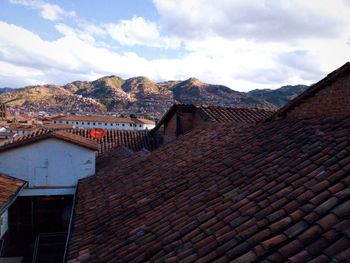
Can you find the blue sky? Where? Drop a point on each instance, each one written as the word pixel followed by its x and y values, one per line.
pixel 244 44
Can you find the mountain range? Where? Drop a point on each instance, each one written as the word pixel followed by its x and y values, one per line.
pixel 138 95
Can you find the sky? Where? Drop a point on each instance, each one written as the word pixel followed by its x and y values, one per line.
pixel 243 44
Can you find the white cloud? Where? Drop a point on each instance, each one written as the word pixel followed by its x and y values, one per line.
pixel 139 31
pixel 202 47
pixel 258 20
pixel 48 11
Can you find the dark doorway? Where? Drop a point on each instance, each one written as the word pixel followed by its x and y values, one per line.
pixel 38 216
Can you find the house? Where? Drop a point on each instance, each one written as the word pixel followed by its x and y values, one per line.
pixel 50 163
pixel 105 122
pixel 273 191
pixel 182 118
pixel 60 159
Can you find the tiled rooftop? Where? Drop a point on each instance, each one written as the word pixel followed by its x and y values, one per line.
pixel 229 114
pixel 42 134
pixel 134 140
pixel 275 191
pixel 244 195
pixel 218 113
pixel 9 188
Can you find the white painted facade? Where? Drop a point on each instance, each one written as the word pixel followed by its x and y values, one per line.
pixel 50 163
pixel 106 125
pixel 20 131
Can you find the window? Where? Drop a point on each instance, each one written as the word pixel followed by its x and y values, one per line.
pixel 60 121
pixel 99 123
pixel 82 122
pixel 111 124
pixel 140 125
pixel 106 124
pixel 88 123
pixel 130 125
pixel 54 121
pixel 76 123
pixel 123 125
pixel 93 123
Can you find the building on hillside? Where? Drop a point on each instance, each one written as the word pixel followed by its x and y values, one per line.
pixel 50 163
pixel 182 118
pixel 274 191
pixel 2 111
pixel 105 122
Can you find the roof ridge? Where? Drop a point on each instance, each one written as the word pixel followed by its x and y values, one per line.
pixel 42 134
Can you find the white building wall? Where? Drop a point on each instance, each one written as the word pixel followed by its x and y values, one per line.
pixel 107 125
pixel 50 163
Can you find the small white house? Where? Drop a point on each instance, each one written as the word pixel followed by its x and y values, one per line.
pixel 51 163
pixel 105 122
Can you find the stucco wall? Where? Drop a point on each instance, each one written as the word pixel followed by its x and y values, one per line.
pixel 106 125
pixel 49 162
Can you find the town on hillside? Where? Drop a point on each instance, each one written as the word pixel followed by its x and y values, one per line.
pixel 202 183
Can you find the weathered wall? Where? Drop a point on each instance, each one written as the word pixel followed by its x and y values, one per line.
pixel 49 162
pixel 331 101
pixel 189 120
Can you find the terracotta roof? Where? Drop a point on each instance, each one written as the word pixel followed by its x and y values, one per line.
pixel 21 127
pixel 143 121
pixel 229 114
pixel 9 188
pixel 219 113
pixel 55 126
pixel 277 191
pixel 43 134
pixel 115 155
pixel 134 140
pixel 7 133
pixel 273 191
pixel 325 82
pixel 103 119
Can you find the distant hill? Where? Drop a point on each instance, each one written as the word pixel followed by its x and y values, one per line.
pixel 138 95
pixel 3 90
pixel 278 97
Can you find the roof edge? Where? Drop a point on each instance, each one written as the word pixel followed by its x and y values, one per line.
pixel 13 198
pixel 93 145
pixel 312 90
